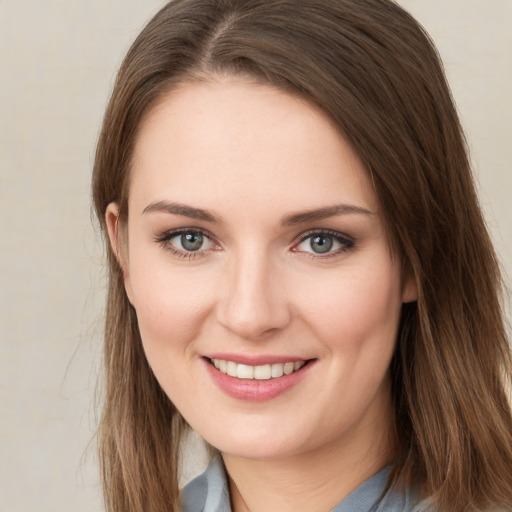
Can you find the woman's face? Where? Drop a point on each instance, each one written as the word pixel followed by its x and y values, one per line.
pixel 257 263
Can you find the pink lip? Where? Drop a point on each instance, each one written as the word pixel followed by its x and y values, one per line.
pixel 253 390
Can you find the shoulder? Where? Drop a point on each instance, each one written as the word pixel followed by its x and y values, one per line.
pixel 407 501
pixel 208 492
pixel 372 496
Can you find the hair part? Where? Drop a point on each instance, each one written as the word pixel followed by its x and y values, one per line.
pixel 374 71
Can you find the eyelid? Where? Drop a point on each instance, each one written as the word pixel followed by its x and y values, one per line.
pixel 165 237
pixel 347 242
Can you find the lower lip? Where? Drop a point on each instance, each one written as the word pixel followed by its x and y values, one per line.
pixel 254 390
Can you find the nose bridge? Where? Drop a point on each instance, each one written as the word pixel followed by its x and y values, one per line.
pixel 254 304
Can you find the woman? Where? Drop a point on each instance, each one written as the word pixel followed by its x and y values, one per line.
pixel 299 269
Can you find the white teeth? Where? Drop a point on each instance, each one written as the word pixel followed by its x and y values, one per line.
pixel 245 372
pixel 231 368
pixel 288 368
pixel 277 370
pixel 262 372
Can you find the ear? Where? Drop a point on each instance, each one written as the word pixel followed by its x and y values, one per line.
pixel 409 289
pixel 118 245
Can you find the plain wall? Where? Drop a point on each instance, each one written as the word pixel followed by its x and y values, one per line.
pixel 57 63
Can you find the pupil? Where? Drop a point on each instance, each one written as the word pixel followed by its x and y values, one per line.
pixel 192 241
pixel 321 244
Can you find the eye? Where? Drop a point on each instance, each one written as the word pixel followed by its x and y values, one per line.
pixel 191 241
pixel 186 243
pixel 324 243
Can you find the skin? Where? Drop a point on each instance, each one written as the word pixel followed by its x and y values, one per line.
pixel 252 155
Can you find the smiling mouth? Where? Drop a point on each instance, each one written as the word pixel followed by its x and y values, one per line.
pixel 261 372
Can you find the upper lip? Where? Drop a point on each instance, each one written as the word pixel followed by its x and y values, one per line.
pixel 256 360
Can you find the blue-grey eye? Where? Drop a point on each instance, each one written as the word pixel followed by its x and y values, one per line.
pixel 186 242
pixel 192 241
pixel 321 243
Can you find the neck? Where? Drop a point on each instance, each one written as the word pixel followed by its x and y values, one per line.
pixel 315 480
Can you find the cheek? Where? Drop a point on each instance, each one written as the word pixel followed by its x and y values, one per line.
pixel 352 311
pixel 170 304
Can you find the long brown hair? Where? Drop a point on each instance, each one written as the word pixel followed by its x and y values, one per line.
pixel 371 67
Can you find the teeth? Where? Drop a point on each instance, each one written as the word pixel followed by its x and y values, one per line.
pixel 231 368
pixel 245 372
pixel 262 372
pixel 288 368
pixel 277 370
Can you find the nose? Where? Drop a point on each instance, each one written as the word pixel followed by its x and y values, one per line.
pixel 254 305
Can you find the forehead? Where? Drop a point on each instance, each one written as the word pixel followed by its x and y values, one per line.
pixel 236 141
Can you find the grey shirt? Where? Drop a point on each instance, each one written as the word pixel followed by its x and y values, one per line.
pixel 209 492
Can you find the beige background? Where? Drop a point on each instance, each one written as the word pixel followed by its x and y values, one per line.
pixel 57 63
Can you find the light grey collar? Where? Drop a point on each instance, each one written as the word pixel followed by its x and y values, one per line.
pixel 209 492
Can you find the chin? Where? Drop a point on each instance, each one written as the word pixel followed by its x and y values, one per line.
pixel 258 452
pixel 257 447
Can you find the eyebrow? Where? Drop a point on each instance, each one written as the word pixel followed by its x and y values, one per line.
pixel 323 213
pixel 181 209
pixel 289 220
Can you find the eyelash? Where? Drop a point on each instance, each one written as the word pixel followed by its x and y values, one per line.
pixel 346 243
pixel 165 241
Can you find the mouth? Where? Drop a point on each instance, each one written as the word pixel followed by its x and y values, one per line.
pixel 260 372
pixel 266 378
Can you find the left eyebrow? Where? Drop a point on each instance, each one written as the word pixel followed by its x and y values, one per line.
pixel 323 213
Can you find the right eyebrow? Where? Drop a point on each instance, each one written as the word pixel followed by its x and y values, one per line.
pixel 183 210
